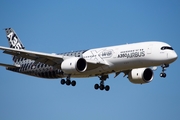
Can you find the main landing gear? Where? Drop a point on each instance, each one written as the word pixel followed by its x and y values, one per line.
pixel 101 86
pixel 68 81
pixel 164 66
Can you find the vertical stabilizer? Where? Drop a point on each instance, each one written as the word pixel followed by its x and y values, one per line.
pixel 13 39
pixel 14 42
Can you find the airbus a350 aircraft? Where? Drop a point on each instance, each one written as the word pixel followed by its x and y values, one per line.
pixel 134 60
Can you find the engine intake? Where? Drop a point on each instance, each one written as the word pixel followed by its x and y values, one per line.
pixel 74 65
pixel 141 75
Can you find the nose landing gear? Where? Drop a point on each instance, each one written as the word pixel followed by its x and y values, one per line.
pixel 163 75
pixel 164 67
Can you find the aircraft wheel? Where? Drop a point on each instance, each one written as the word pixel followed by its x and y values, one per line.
pixel 107 88
pixel 73 83
pixel 68 82
pixel 96 86
pixel 101 87
pixel 63 81
pixel 163 75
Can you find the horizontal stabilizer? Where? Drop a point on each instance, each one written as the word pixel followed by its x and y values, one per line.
pixel 7 65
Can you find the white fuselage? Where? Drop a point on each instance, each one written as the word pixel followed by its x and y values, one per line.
pixel 127 57
pixel 113 59
pixel 134 60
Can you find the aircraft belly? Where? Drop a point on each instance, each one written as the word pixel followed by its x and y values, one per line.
pixel 41 73
pixel 128 64
pixel 95 72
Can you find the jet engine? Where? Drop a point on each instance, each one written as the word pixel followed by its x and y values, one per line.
pixel 140 75
pixel 74 65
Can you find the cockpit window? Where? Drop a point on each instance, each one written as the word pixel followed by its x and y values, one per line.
pixel 166 47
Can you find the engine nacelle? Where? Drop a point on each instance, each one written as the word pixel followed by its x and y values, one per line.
pixel 140 75
pixel 74 65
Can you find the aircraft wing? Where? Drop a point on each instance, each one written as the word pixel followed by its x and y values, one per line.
pixel 50 59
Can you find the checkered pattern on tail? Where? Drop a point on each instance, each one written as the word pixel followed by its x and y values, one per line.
pixel 13 39
pixel 14 42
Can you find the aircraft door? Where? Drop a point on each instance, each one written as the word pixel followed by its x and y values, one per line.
pixel 149 49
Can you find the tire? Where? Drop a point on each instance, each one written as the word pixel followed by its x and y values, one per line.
pixel 101 87
pixel 161 74
pixel 63 81
pixel 107 88
pixel 96 86
pixel 73 83
pixel 164 75
pixel 68 82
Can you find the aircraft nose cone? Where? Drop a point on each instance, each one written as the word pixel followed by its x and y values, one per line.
pixel 173 56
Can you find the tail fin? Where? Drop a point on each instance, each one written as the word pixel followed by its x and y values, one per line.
pixel 14 42
pixel 13 39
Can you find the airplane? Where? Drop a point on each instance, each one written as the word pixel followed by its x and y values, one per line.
pixel 135 60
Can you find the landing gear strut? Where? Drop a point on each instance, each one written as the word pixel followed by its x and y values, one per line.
pixel 164 66
pixel 68 81
pixel 101 86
